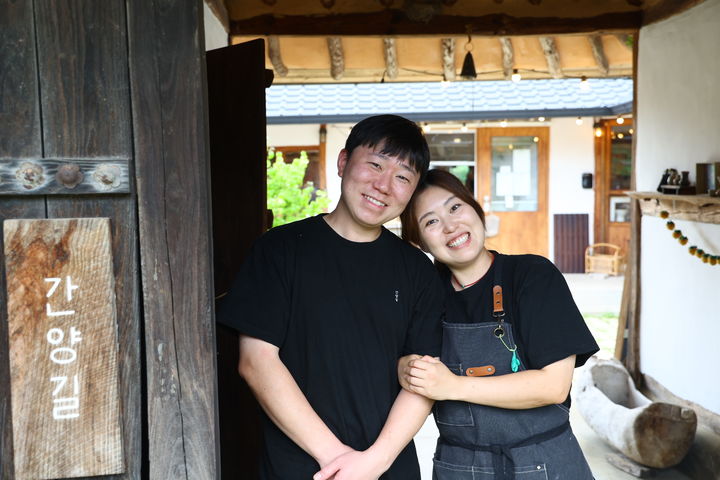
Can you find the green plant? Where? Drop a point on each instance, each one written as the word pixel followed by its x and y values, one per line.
pixel 287 196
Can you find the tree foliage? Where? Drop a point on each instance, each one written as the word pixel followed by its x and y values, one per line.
pixel 287 196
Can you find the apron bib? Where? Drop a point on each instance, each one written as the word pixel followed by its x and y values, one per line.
pixel 479 442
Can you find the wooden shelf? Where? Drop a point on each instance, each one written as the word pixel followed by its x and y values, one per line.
pixel 696 208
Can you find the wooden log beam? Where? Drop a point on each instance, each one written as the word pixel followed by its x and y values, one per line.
pixel 275 56
pixel 552 57
pixel 599 54
pixel 394 22
pixel 337 57
pixel 391 62
pixel 508 56
pixel 448 59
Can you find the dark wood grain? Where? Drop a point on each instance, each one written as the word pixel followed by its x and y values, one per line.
pixel 236 96
pixel 172 171
pixel 571 239
pixel 83 70
pixel 19 137
pixel 394 22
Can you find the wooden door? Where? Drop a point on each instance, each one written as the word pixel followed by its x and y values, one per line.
pixel 613 160
pixel 512 170
pixel 236 92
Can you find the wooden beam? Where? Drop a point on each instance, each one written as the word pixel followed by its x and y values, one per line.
pixel 448 59
pixel 391 62
pixel 552 57
pixel 508 57
pixel 275 56
pixel 337 57
pixel 220 11
pixel 394 22
pixel 599 53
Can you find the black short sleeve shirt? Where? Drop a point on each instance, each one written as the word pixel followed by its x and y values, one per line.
pixel 342 313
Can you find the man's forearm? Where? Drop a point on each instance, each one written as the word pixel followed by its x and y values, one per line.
pixel 283 401
pixel 407 415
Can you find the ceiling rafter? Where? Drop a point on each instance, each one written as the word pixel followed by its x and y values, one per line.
pixel 599 54
pixel 552 57
pixel 508 57
pixel 275 56
pixel 448 59
pixel 337 57
pixel 391 60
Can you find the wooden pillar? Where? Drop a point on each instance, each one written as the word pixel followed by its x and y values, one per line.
pixel 84 82
pixel 169 105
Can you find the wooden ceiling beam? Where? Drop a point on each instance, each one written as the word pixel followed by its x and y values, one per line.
pixel 275 56
pixel 599 54
pixel 337 57
pixel 552 57
pixel 448 59
pixel 391 62
pixel 393 22
pixel 508 57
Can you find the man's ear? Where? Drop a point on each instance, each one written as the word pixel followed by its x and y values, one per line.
pixel 342 162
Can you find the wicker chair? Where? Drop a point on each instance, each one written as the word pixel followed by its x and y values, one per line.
pixel 603 258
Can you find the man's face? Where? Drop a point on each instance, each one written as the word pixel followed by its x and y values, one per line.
pixel 375 187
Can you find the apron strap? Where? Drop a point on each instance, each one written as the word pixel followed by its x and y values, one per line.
pixel 498 310
pixel 503 465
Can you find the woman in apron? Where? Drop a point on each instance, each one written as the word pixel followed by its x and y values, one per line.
pixel 511 339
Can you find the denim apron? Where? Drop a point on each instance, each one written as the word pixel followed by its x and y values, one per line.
pixel 479 442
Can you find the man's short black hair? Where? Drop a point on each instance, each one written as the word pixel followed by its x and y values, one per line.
pixel 397 136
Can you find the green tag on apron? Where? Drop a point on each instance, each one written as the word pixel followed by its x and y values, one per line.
pixel 515 361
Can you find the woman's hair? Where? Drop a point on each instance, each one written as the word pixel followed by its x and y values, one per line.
pixel 446 181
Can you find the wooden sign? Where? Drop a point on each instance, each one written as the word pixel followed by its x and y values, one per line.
pixel 63 348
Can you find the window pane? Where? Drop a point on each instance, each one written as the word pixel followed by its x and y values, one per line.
pixel 455 153
pixel 514 182
pixel 620 157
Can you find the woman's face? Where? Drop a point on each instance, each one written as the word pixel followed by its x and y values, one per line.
pixel 450 229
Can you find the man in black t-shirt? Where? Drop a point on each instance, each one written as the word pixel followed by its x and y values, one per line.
pixel 326 306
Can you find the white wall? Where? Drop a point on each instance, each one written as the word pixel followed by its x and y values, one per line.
pixel 678 124
pixel 215 34
pixel 571 154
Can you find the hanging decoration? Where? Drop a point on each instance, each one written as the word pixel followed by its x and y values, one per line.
pixel 677 234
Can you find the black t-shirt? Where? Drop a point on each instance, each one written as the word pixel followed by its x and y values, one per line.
pixel 547 324
pixel 342 313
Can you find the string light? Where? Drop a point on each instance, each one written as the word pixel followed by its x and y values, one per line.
pixel 515 77
pixel 464 127
pixel 541 119
pixel 503 123
pixel 426 128
pixel 536 139
pixel 578 121
pixel 620 120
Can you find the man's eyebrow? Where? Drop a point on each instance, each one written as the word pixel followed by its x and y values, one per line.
pixel 431 212
pixel 402 163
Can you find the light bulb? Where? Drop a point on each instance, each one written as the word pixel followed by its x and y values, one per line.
pixel 503 123
pixel 620 120
pixel 536 139
pixel 598 132
pixel 464 127
pixel 584 84
pixel 426 128
pixel 620 135
pixel 578 121
pixel 515 77
pixel 541 119
pixel 457 140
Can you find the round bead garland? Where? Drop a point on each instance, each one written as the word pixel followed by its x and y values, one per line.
pixel 693 250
